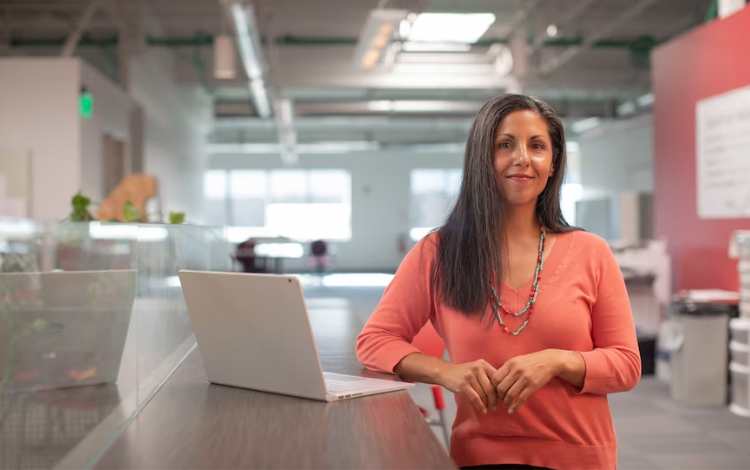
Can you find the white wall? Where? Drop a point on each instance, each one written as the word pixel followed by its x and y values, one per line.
pixel 618 156
pixel 380 199
pixel 39 116
pixel 176 122
pixel 112 108
pixel 617 161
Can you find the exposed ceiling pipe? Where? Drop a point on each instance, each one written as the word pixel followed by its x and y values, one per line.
pixel 83 22
pixel 556 62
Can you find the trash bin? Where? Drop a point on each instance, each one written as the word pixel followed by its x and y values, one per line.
pixel 699 373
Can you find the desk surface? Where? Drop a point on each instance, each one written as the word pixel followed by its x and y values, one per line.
pixel 193 424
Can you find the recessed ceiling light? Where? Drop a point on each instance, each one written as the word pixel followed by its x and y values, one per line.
pixel 552 30
pixel 450 27
pixel 412 46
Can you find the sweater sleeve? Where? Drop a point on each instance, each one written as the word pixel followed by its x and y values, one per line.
pixel 614 365
pixel 405 307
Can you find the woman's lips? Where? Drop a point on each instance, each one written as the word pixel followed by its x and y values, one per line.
pixel 520 178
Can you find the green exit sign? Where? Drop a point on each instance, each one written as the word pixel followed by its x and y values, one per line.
pixel 86 104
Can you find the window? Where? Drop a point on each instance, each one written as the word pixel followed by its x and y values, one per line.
pixel 433 194
pixel 215 184
pixel 300 204
pixel 248 201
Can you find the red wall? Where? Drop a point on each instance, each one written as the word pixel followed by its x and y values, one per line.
pixel 707 61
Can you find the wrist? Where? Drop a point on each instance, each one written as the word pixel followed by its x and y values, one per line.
pixel 561 361
pixel 437 376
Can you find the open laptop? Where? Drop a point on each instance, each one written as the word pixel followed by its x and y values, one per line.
pixel 253 331
pixel 63 328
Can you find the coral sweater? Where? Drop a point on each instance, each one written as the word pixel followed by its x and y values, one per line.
pixel 582 306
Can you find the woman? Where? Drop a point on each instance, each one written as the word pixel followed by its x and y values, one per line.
pixel 534 313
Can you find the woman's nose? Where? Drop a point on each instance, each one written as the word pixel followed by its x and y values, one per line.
pixel 521 156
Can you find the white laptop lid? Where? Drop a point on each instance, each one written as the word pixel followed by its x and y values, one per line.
pixel 253 332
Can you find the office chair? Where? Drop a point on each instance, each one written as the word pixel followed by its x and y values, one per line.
pixel 429 342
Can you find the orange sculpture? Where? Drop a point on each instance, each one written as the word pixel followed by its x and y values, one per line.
pixel 137 188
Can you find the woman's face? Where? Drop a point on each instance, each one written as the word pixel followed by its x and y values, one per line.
pixel 523 157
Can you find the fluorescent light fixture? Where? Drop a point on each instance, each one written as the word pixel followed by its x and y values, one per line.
pixel 414 46
pixel 585 124
pixel 260 98
pixel 376 35
pixel 552 30
pixel 247 39
pixel 246 30
pixel 450 27
pixel 280 250
pixel 645 100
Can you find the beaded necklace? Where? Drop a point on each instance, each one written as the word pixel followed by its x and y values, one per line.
pixel 497 307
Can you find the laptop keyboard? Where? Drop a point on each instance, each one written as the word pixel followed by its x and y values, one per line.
pixel 339 382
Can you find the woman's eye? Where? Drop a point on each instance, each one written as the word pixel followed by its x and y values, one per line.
pixel 504 145
pixel 538 146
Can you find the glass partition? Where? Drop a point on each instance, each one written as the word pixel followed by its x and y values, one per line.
pixel 92 321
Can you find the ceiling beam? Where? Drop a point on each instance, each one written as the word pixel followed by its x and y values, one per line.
pixel 83 22
pixel 568 54
pixel 565 19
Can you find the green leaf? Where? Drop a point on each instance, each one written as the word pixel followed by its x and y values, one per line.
pixel 80 211
pixel 176 217
pixel 130 212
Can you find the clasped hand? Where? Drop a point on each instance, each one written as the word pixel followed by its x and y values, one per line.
pixel 511 384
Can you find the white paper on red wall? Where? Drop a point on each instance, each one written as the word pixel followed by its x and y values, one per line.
pixel 723 160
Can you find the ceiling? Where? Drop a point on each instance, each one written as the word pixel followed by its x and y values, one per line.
pixel 598 60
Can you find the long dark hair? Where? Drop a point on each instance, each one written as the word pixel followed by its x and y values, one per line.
pixel 469 256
